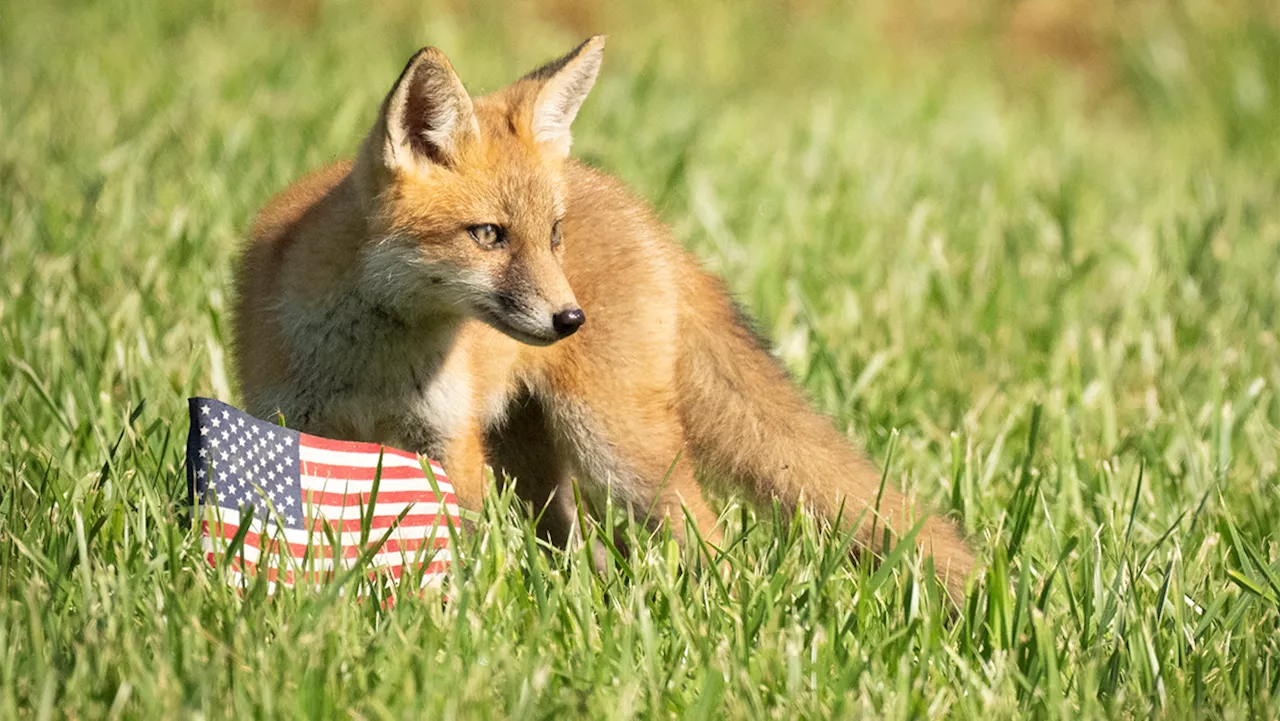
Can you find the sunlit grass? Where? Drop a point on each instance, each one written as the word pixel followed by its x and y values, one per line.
pixel 1045 291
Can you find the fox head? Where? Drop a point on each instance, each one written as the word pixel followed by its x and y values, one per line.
pixel 464 196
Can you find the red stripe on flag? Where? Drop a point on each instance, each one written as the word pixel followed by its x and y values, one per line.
pixel 357 499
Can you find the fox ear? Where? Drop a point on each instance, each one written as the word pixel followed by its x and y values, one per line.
pixel 428 117
pixel 564 85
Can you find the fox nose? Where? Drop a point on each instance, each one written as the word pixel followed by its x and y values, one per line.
pixel 567 321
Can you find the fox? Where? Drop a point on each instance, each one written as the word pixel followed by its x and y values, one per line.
pixel 464 288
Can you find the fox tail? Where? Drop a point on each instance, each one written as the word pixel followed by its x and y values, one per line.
pixel 746 422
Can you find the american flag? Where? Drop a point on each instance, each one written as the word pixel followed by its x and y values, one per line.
pixel 300 493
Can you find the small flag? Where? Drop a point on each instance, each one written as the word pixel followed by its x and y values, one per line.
pixel 290 496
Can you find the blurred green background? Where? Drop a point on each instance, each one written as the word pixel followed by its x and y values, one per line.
pixel 946 214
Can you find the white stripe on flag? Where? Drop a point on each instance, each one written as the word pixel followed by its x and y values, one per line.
pixel 344 485
pixel 359 459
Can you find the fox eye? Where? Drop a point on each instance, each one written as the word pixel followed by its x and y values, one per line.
pixel 555 235
pixel 488 235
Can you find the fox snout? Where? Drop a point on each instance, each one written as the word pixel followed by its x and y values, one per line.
pixel 534 327
pixel 535 302
pixel 533 320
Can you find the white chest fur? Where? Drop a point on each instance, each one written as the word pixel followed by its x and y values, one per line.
pixel 442 406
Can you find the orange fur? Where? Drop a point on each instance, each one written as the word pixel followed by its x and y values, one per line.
pixel 370 309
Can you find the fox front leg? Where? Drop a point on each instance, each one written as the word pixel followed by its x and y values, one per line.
pixel 464 464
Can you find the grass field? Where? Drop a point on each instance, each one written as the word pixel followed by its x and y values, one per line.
pixel 1029 254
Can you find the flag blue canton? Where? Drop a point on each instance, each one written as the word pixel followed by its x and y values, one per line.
pixel 238 462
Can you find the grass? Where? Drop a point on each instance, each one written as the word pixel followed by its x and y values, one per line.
pixel 1042 285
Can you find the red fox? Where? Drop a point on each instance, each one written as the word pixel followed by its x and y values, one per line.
pixel 465 289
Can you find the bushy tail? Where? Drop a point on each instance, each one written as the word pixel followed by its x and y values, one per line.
pixel 745 421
